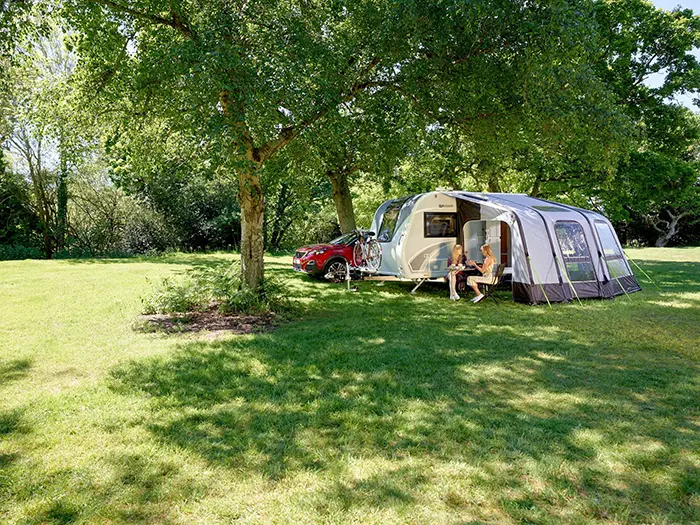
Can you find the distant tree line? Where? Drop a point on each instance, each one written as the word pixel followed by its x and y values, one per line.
pixel 134 126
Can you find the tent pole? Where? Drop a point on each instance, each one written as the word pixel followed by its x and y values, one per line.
pixel 641 270
pixel 601 258
pixel 538 281
pixel 566 274
pixel 549 236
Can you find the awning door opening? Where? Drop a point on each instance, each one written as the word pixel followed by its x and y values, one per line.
pixel 494 233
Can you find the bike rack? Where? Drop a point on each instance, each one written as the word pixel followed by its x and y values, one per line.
pixel 347 277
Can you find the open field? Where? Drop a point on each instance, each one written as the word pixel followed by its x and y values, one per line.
pixel 372 407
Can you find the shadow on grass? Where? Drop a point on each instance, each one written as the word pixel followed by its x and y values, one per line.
pixel 383 376
pixel 138 489
pixel 11 422
pixel 14 370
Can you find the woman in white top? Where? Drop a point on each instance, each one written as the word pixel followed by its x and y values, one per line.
pixel 486 270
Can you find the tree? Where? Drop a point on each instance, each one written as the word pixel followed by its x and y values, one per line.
pixel 641 40
pixel 655 190
pixel 296 189
pixel 252 75
pixel 13 23
pixel 27 142
pixel 657 184
pixel 17 221
pixel 516 90
pixel 43 120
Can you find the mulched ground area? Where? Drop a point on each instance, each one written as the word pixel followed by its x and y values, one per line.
pixel 211 322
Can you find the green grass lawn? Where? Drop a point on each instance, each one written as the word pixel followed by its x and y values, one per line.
pixel 371 407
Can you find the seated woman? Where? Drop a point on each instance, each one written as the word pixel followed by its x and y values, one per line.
pixel 455 265
pixel 486 270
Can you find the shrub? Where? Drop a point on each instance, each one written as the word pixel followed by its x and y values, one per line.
pixel 244 300
pixel 169 296
pixel 218 288
pixel 146 232
pixel 18 252
pixel 19 225
pixel 74 252
pixel 104 222
pixel 319 226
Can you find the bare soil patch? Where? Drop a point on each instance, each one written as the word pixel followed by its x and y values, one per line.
pixel 211 322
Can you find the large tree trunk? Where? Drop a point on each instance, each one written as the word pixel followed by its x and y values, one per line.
pixel 670 230
pixel 343 200
pixel 252 218
pixel 250 195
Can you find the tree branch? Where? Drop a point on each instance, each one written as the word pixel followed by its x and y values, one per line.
pixel 641 77
pixel 659 229
pixel 174 21
pixel 479 51
pixel 288 133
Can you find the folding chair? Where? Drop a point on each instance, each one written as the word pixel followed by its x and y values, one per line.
pixel 491 288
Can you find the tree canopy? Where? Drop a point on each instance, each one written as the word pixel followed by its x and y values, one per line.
pixel 201 112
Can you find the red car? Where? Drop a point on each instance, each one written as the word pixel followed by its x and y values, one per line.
pixel 322 259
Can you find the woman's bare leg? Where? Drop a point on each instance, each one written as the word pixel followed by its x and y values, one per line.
pixel 451 279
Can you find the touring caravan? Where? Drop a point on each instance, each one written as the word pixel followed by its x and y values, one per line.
pixel 552 252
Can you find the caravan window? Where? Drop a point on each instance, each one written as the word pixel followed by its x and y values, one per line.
pixel 574 249
pixel 613 256
pixel 389 220
pixel 439 224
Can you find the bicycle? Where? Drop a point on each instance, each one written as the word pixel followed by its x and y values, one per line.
pixel 367 253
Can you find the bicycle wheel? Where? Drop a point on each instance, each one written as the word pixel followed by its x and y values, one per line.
pixel 374 255
pixel 357 255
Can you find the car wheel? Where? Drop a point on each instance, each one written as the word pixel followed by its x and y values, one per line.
pixel 335 270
